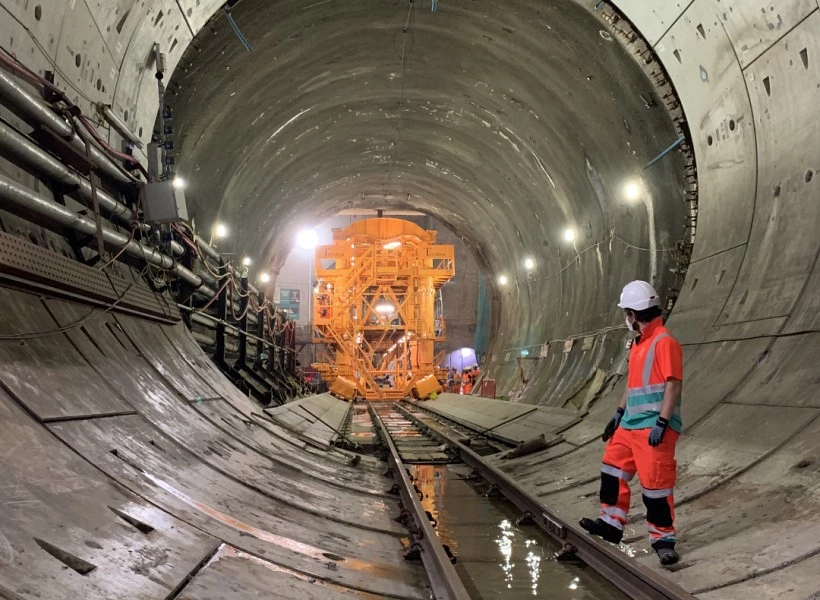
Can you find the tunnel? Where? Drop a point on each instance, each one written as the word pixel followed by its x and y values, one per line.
pixel 596 142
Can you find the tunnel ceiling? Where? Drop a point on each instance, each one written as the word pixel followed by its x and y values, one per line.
pixel 507 121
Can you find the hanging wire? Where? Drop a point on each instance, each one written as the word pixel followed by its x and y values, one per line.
pixel 90 316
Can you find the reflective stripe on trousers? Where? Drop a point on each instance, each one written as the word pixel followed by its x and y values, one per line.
pixel 626 453
pixel 662 493
pixel 616 472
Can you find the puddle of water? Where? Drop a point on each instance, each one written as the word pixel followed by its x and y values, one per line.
pixel 496 557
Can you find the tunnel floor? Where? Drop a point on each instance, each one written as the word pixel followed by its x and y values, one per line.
pixel 497 558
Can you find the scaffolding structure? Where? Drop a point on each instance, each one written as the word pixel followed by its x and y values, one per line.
pixel 377 310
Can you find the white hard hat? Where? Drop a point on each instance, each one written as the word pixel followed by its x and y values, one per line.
pixel 639 295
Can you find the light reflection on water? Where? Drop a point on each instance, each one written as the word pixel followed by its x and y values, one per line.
pixel 505 545
pixel 496 557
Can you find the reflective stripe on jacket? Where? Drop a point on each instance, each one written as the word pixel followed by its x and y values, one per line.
pixel 647 378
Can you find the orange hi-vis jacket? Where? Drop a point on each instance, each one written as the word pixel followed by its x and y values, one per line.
pixel 655 358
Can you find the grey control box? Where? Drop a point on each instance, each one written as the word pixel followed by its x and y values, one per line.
pixel 164 202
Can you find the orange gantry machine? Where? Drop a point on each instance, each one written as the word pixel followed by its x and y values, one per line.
pixel 376 309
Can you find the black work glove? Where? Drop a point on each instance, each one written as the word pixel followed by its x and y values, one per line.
pixel 613 424
pixel 657 432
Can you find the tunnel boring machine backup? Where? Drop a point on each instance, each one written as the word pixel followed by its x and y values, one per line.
pixel 377 312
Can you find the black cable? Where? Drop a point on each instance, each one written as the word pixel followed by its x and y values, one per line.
pixel 92 314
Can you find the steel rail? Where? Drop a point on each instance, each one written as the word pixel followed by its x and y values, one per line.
pixel 637 581
pixel 445 582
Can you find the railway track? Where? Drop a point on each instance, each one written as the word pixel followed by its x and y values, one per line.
pixel 445 583
pixel 414 445
pixel 415 437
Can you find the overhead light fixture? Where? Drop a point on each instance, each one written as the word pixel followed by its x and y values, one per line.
pixel 392 245
pixel 569 234
pixel 307 239
pixel 385 308
pixel 264 277
pixel 502 280
pixel 178 183
pixel 633 189
pixel 246 261
pixel 220 231
pixel 529 264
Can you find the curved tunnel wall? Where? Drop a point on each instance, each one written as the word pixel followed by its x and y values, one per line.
pixel 748 76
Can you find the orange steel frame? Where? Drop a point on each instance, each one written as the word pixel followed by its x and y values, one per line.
pixel 372 265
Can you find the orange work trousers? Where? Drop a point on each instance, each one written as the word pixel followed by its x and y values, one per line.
pixel 628 452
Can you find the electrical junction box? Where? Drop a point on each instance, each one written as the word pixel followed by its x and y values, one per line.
pixel 163 202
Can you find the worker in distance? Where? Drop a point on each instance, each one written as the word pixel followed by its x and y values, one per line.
pixel 642 434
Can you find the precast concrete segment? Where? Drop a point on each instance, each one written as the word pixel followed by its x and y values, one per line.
pixel 512 423
pixel 220 450
pixel 184 467
pixel 346 104
pixel 319 417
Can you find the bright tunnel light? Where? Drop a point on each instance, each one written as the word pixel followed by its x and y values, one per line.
pixel 569 234
pixel 220 231
pixel 264 277
pixel 178 183
pixel 529 264
pixel 633 189
pixel 307 239
pixel 392 245
pixel 502 280
pixel 246 261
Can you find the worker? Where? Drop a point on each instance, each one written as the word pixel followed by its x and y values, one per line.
pixel 642 434
pixel 475 372
pixel 456 382
pixel 466 382
pixel 451 376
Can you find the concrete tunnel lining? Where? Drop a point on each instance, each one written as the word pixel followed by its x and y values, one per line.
pixel 747 77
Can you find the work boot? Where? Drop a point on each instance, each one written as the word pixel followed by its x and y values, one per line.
pixel 666 552
pixel 603 530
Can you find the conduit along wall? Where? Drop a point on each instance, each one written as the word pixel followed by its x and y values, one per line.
pixel 92 210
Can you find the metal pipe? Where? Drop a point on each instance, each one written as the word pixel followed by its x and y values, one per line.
pixel 19 148
pixel 24 202
pixel 24 152
pixel 31 108
pixel 118 124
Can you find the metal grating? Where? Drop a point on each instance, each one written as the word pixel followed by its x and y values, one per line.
pixel 34 267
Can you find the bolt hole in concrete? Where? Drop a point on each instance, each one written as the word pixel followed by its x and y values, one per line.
pixel 78 59
pixel 809 175
pixel 38 12
pixel 496 557
pixel 332 556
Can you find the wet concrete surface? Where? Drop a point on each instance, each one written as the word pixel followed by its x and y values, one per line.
pixel 496 557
